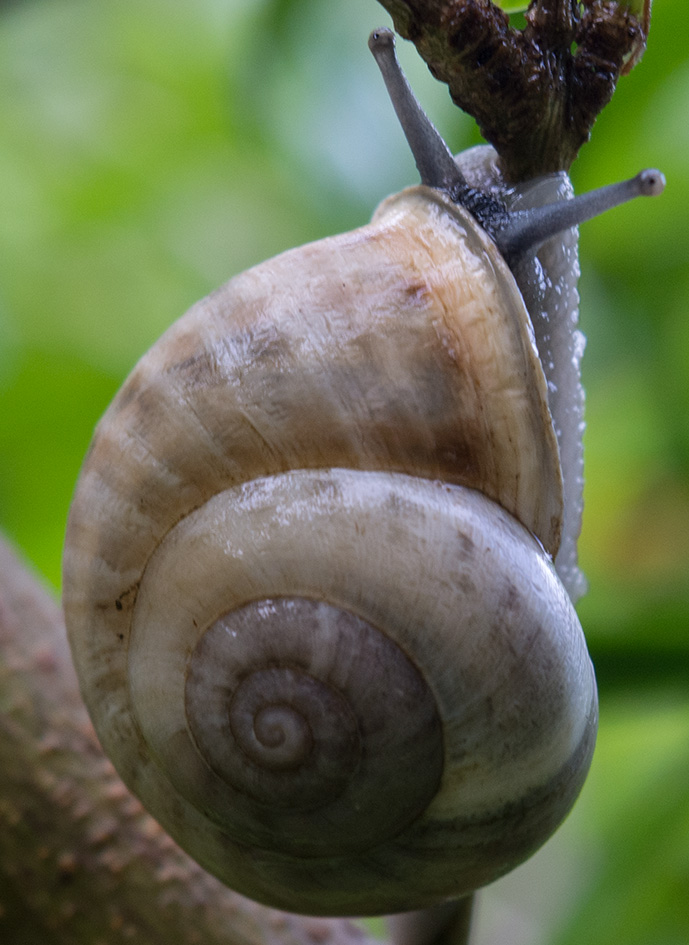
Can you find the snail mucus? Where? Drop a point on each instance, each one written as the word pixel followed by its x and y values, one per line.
pixel 308 576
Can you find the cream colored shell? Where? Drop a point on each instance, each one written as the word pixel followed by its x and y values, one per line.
pixel 356 431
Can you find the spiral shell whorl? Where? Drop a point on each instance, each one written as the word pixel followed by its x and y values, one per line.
pixel 304 709
pixel 498 659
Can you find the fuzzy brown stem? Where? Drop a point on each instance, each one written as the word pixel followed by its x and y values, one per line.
pixel 536 92
pixel 80 861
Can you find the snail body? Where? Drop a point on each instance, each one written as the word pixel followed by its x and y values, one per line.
pixel 308 573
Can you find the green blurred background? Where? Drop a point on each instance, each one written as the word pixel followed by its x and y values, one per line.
pixel 150 149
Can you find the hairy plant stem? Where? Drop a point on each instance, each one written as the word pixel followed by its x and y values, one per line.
pixel 535 92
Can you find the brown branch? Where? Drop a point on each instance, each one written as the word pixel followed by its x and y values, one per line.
pixel 536 92
pixel 79 859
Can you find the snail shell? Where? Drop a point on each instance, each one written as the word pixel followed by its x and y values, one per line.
pixel 308 578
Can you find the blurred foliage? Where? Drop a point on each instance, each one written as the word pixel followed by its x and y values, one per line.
pixel 512 6
pixel 150 149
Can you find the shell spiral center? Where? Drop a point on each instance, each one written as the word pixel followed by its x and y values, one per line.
pixel 302 709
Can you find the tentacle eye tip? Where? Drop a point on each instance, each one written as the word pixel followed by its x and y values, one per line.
pixel 651 182
pixel 380 39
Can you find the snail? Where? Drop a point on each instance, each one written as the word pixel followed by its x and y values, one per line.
pixel 308 573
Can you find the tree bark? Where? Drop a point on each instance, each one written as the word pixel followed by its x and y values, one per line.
pixel 80 861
